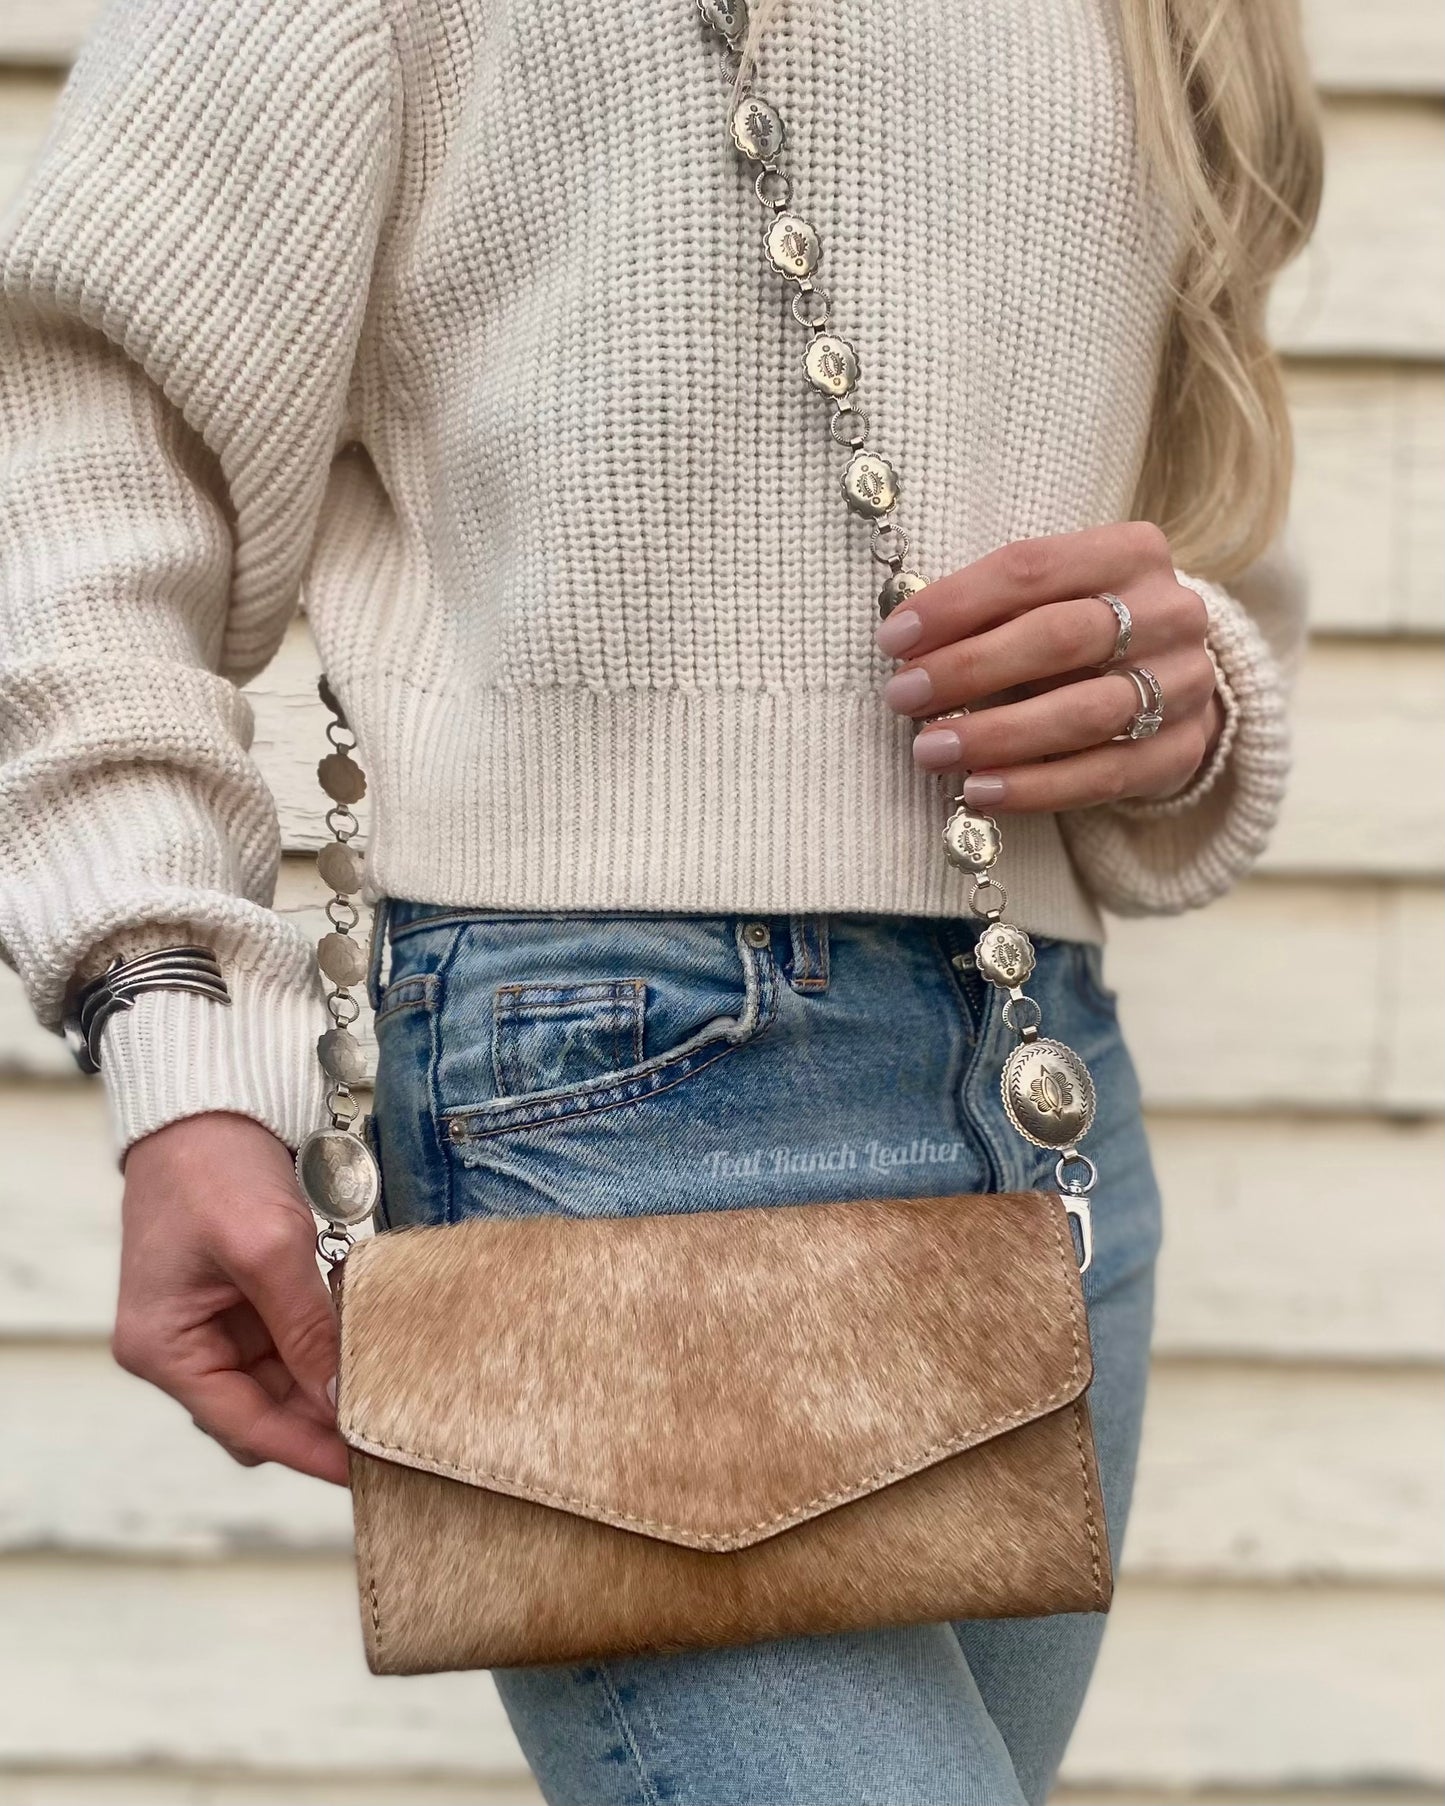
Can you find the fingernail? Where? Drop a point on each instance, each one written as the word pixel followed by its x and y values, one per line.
pixel 331 1390
pixel 908 691
pixel 901 630
pixel 937 748
pixel 979 793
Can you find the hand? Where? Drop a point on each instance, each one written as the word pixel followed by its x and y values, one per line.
pixel 1019 637
pixel 222 1304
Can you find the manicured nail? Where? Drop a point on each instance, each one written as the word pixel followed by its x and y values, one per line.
pixel 984 793
pixel 902 629
pixel 937 749
pixel 331 1391
pixel 908 691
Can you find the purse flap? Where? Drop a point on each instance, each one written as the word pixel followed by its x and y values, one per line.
pixel 710 1378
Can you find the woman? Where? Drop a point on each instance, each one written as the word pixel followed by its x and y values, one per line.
pixel 455 309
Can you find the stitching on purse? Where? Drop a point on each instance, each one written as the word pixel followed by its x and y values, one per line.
pixel 1090 1522
pixel 783 1520
pixel 359 1484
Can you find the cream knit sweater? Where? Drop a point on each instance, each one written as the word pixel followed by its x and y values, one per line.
pixel 452 312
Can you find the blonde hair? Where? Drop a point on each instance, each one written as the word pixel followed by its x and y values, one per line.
pixel 1229 128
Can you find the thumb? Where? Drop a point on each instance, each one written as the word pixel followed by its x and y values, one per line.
pixel 295 1304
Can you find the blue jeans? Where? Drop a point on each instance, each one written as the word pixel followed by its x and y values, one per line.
pixel 647 1062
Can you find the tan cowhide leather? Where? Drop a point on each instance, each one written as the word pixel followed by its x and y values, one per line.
pixel 579 1437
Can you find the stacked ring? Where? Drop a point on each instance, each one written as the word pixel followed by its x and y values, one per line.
pixel 1148 718
pixel 1125 620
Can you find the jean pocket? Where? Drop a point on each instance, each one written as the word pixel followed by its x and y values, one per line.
pixel 549 1036
pixel 553 1021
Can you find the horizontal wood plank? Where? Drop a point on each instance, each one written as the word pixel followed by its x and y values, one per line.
pixel 1364 714
pixel 26 102
pixel 1392 46
pixel 1253 1473
pixel 258 1664
pixel 1368 510
pixel 1370 280
pixel 1247 1473
pixel 1299 1238
pixel 152 1787
pixel 1230 1688
pixel 1288 995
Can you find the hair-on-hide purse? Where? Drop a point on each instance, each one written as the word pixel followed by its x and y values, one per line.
pixel 579 1437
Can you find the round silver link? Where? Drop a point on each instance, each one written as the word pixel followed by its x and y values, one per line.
pixel 774 188
pixel 988 887
pixel 343 1107
pixel 342 913
pixel 1034 1015
pixel 889 544
pixel 343 1008
pixel 817 316
pixel 333 1244
pixel 342 822
pixel 854 427
pixel 1082 1186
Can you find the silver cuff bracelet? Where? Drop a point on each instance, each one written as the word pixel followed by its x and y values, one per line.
pixel 167 969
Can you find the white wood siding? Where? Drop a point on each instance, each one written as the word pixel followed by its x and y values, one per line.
pixel 175 1631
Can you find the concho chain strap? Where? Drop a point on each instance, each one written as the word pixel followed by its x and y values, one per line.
pixel 1047 1090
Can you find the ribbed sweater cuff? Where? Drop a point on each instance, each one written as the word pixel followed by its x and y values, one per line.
pixel 175 1055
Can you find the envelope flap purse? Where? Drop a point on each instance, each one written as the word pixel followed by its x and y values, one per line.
pixel 573 1437
pixel 711 1379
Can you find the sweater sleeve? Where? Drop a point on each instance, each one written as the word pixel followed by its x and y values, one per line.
pixel 183 283
pixel 1181 852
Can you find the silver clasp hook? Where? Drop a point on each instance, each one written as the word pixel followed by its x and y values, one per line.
pixel 1074 1192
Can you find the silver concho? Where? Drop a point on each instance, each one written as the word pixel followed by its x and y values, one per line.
pixel 971 842
pixel 757 129
pixel 342 959
pixel 1005 955
pixel 899 587
pixel 341 1057
pixel 870 485
pixel 728 18
pixel 831 365
pixel 339 1176
pixel 1048 1094
pixel 341 778
pixel 793 247
pixel 340 867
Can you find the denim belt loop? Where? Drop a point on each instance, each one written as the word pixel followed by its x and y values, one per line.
pixel 377 956
pixel 809 964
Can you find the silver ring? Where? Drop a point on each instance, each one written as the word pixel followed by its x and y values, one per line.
pixel 1149 717
pixel 1125 635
